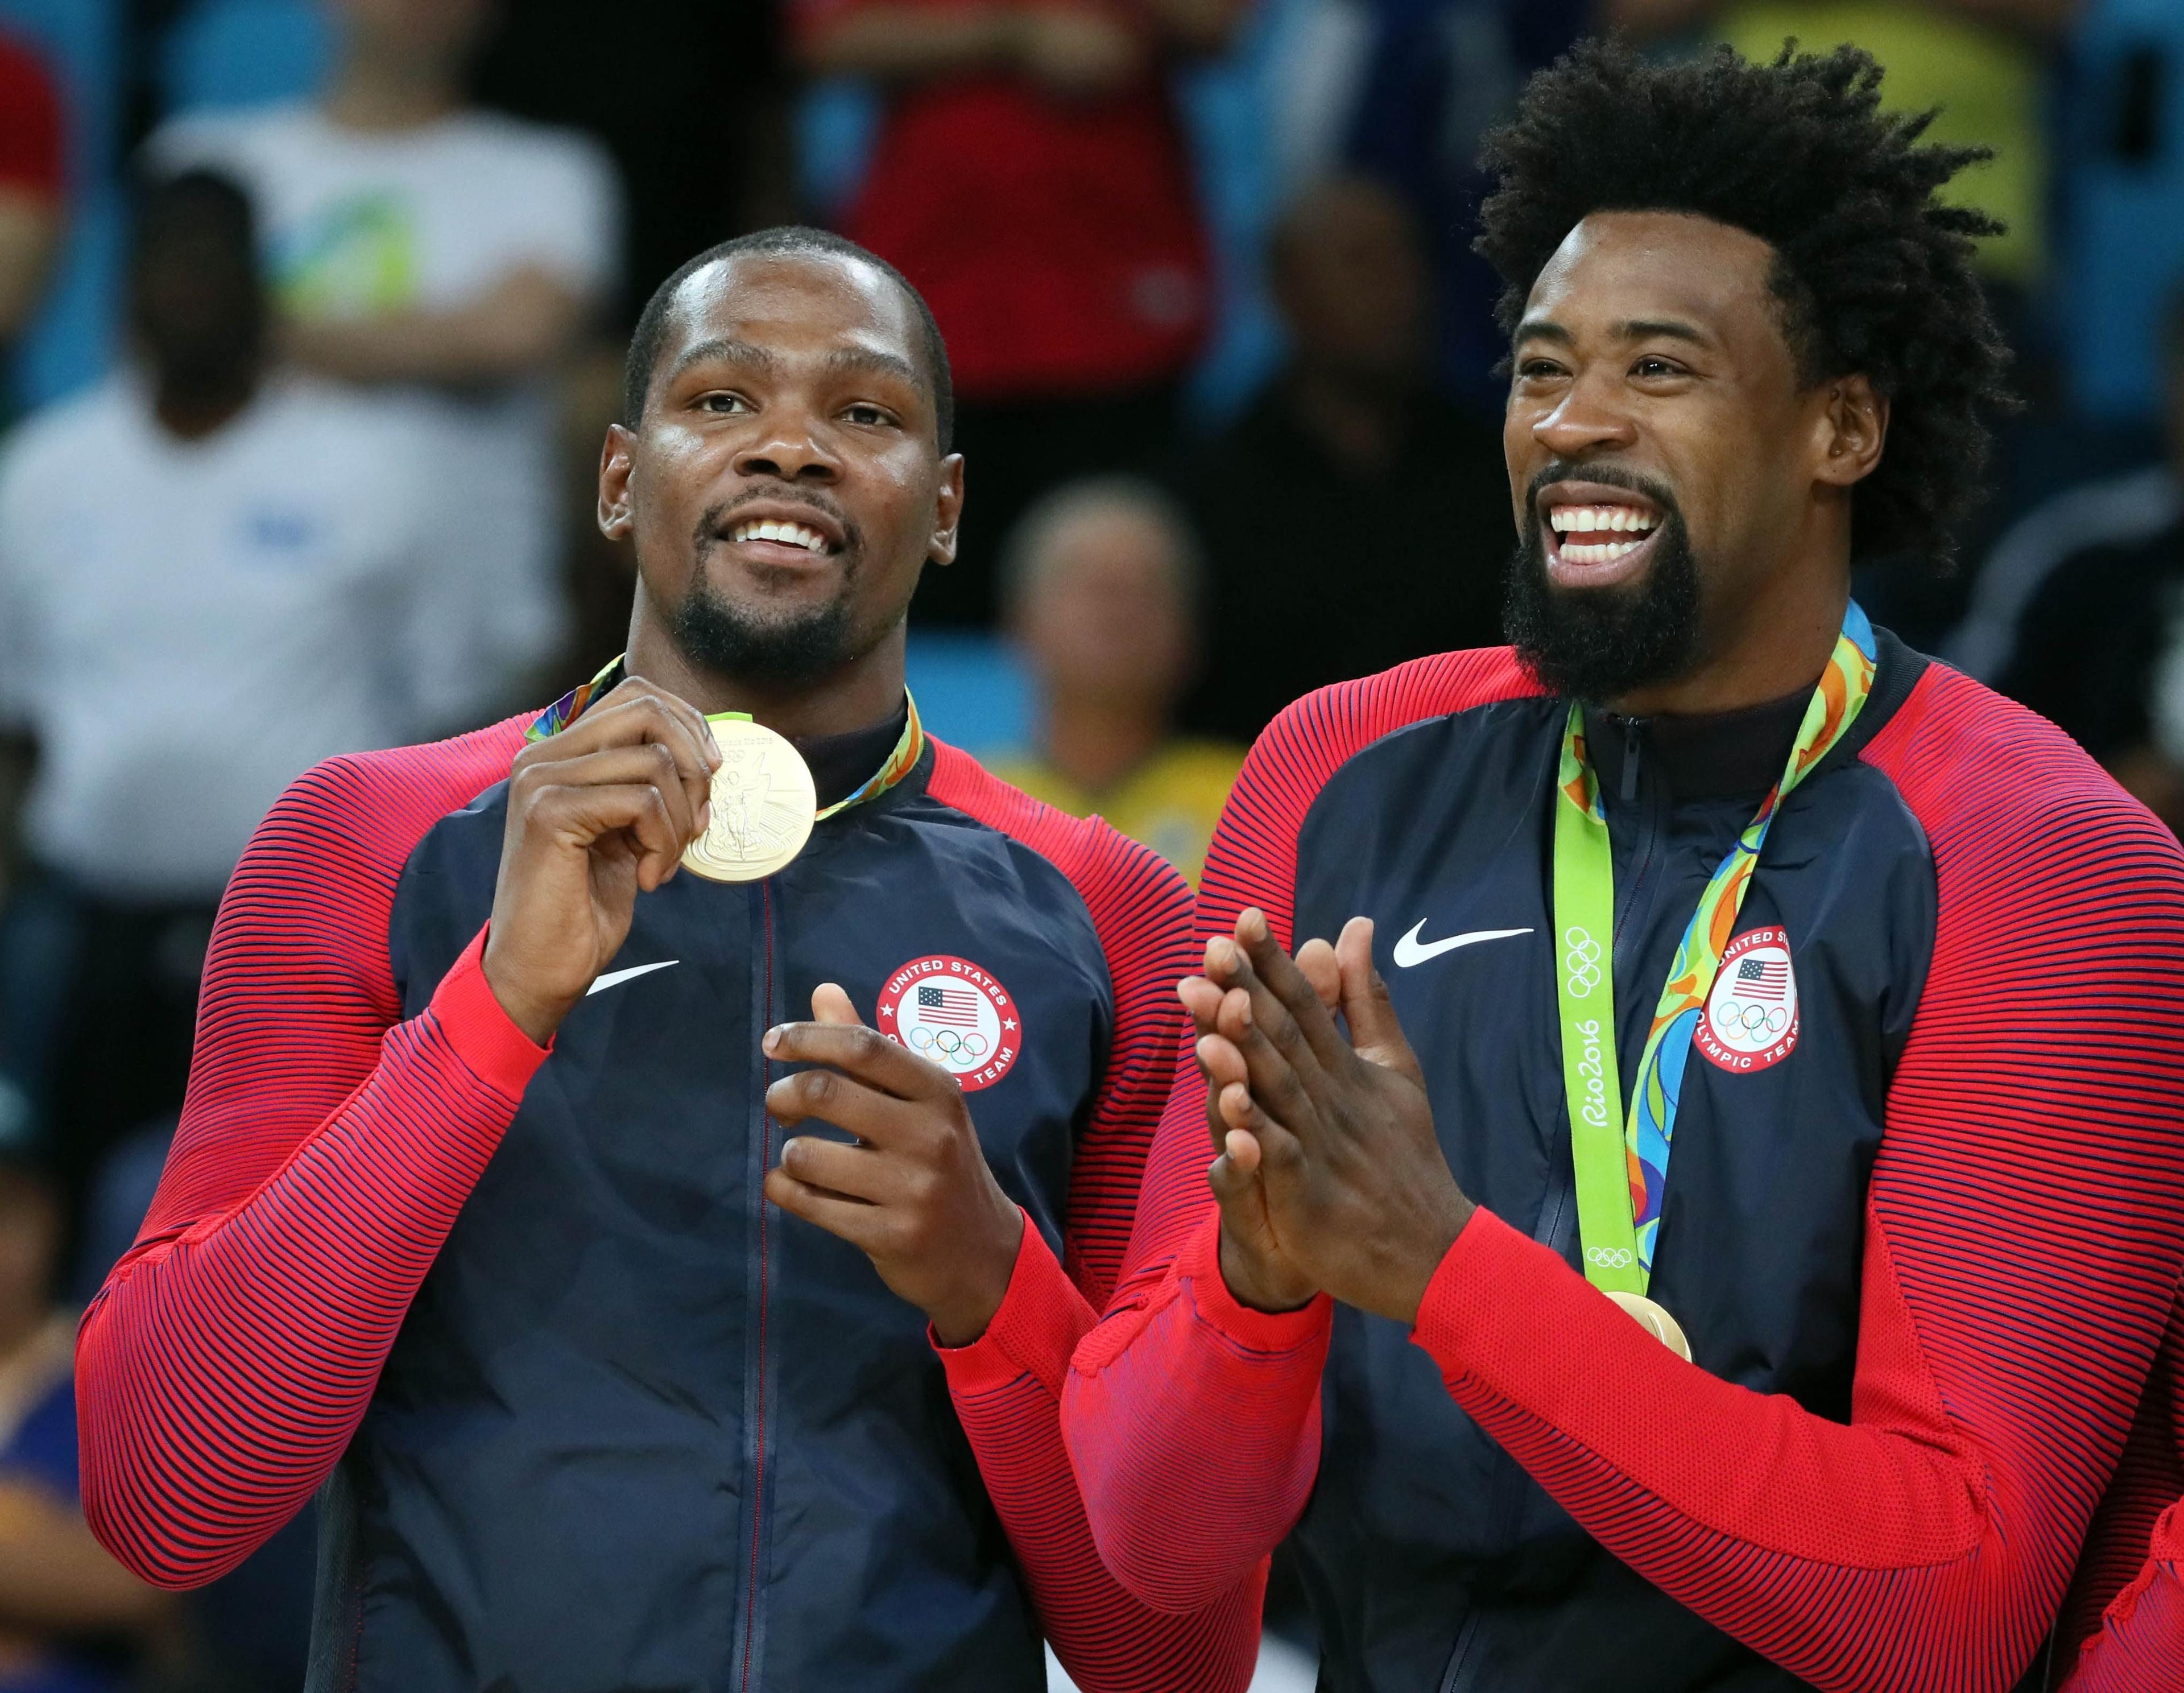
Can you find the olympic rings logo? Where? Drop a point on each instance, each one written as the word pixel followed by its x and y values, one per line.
pixel 954 1044
pixel 1610 1257
pixel 1580 962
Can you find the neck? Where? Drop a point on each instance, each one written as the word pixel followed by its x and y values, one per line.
pixel 1775 643
pixel 1359 424
pixel 194 413
pixel 374 90
pixel 864 691
pixel 1095 743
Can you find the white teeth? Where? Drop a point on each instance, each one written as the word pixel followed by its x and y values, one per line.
pixel 1591 519
pixel 1602 554
pixel 793 534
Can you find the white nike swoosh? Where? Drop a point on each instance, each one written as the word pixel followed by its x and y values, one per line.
pixel 613 978
pixel 1409 951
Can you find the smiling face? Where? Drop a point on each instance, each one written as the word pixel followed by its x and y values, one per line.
pixel 785 487
pixel 1680 491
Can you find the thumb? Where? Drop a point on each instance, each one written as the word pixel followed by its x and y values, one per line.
pixel 831 1004
pixel 1374 1031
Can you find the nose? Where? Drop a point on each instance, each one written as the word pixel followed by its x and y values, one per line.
pixel 1585 422
pixel 787 447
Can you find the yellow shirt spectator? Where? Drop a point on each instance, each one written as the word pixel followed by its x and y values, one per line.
pixel 1170 802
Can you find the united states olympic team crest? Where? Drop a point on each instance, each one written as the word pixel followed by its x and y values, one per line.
pixel 1751 1020
pixel 950 1011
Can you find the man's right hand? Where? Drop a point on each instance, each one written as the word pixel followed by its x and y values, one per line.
pixel 594 814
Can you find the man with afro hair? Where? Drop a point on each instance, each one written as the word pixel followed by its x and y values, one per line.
pixel 1695 1194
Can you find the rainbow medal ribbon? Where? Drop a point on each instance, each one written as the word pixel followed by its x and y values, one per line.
pixel 762 805
pixel 1623 1167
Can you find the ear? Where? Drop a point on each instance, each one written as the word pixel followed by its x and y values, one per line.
pixel 617 458
pixel 1852 429
pixel 948 514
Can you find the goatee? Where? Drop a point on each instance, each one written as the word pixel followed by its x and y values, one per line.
pixel 773 653
pixel 1597 644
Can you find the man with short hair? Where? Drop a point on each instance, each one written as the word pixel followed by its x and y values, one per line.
pixel 419 244
pixel 214 571
pixel 477 1215
pixel 1729 1240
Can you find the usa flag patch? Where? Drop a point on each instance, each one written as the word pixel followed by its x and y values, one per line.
pixel 954 1013
pixel 1751 1018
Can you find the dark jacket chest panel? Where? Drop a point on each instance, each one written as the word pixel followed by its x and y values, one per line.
pixel 1432 1559
pixel 638 1425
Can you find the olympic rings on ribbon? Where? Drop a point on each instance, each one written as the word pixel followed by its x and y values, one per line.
pixel 1609 1257
pixel 1580 962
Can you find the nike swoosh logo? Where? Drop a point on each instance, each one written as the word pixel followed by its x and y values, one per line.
pixel 1410 951
pixel 615 977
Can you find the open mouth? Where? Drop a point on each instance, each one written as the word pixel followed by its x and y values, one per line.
pixel 1597 535
pixel 775 538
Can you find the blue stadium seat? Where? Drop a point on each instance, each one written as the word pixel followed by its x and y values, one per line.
pixel 244 52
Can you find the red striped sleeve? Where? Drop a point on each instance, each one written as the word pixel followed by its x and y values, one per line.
pixel 2025 1222
pixel 1183 1406
pixel 326 1147
pixel 2138 1641
pixel 1007 1386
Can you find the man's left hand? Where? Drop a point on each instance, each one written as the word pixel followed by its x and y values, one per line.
pixel 913 1193
pixel 1338 1130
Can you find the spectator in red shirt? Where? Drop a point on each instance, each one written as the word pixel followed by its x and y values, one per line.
pixel 1032 179
pixel 29 186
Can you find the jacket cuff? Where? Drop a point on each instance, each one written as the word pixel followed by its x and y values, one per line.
pixel 1042 1317
pixel 1198 1263
pixel 483 1035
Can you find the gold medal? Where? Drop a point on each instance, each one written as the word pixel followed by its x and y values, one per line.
pixel 763 805
pixel 1655 1320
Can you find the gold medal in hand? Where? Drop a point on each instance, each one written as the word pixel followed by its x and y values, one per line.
pixel 763 805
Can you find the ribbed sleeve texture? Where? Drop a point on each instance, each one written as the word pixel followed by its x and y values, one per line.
pixel 324 1150
pixel 2025 1229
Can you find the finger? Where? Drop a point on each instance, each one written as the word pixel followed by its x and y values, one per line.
pixel 1201 999
pixel 589 816
pixel 1278 1065
pixel 1240 1147
pixel 1279 975
pixel 1374 1029
pixel 1220 1062
pixel 645 761
pixel 865 1054
pixel 1315 959
pixel 637 712
pixel 830 1003
pixel 1271 1148
pixel 827 1095
pixel 863 1226
pixel 854 1172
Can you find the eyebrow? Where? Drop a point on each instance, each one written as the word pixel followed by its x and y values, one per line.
pixel 880 364
pixel 1632 329
pixel 724 349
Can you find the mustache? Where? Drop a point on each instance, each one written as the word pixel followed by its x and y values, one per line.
pixel 717 517
pixel 1608 476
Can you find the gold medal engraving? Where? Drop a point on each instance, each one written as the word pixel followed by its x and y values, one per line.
pixel 1655 1320
pixel 763 805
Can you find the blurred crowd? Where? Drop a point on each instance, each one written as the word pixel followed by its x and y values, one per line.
pixel 311 317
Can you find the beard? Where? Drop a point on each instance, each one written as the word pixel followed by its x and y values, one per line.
pixel 773 651
pixel 1596 644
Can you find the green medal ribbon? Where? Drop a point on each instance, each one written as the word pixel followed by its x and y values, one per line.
pixel 1621 1163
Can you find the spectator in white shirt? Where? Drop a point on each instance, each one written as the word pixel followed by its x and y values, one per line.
pixel 212 576
pixel 415 241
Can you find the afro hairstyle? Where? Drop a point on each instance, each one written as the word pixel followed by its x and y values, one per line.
pixel 1873 275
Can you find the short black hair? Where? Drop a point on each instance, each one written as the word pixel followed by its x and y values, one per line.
pixel 1872 273
pixel 193 199
pixel 651 335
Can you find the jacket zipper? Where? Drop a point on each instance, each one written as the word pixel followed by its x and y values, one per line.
pixel 764 1138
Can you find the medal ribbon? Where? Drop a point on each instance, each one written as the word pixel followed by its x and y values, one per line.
pixel 908 748
pixel 1622 1169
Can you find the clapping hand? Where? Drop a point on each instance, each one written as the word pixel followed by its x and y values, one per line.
pixel 1329 1175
